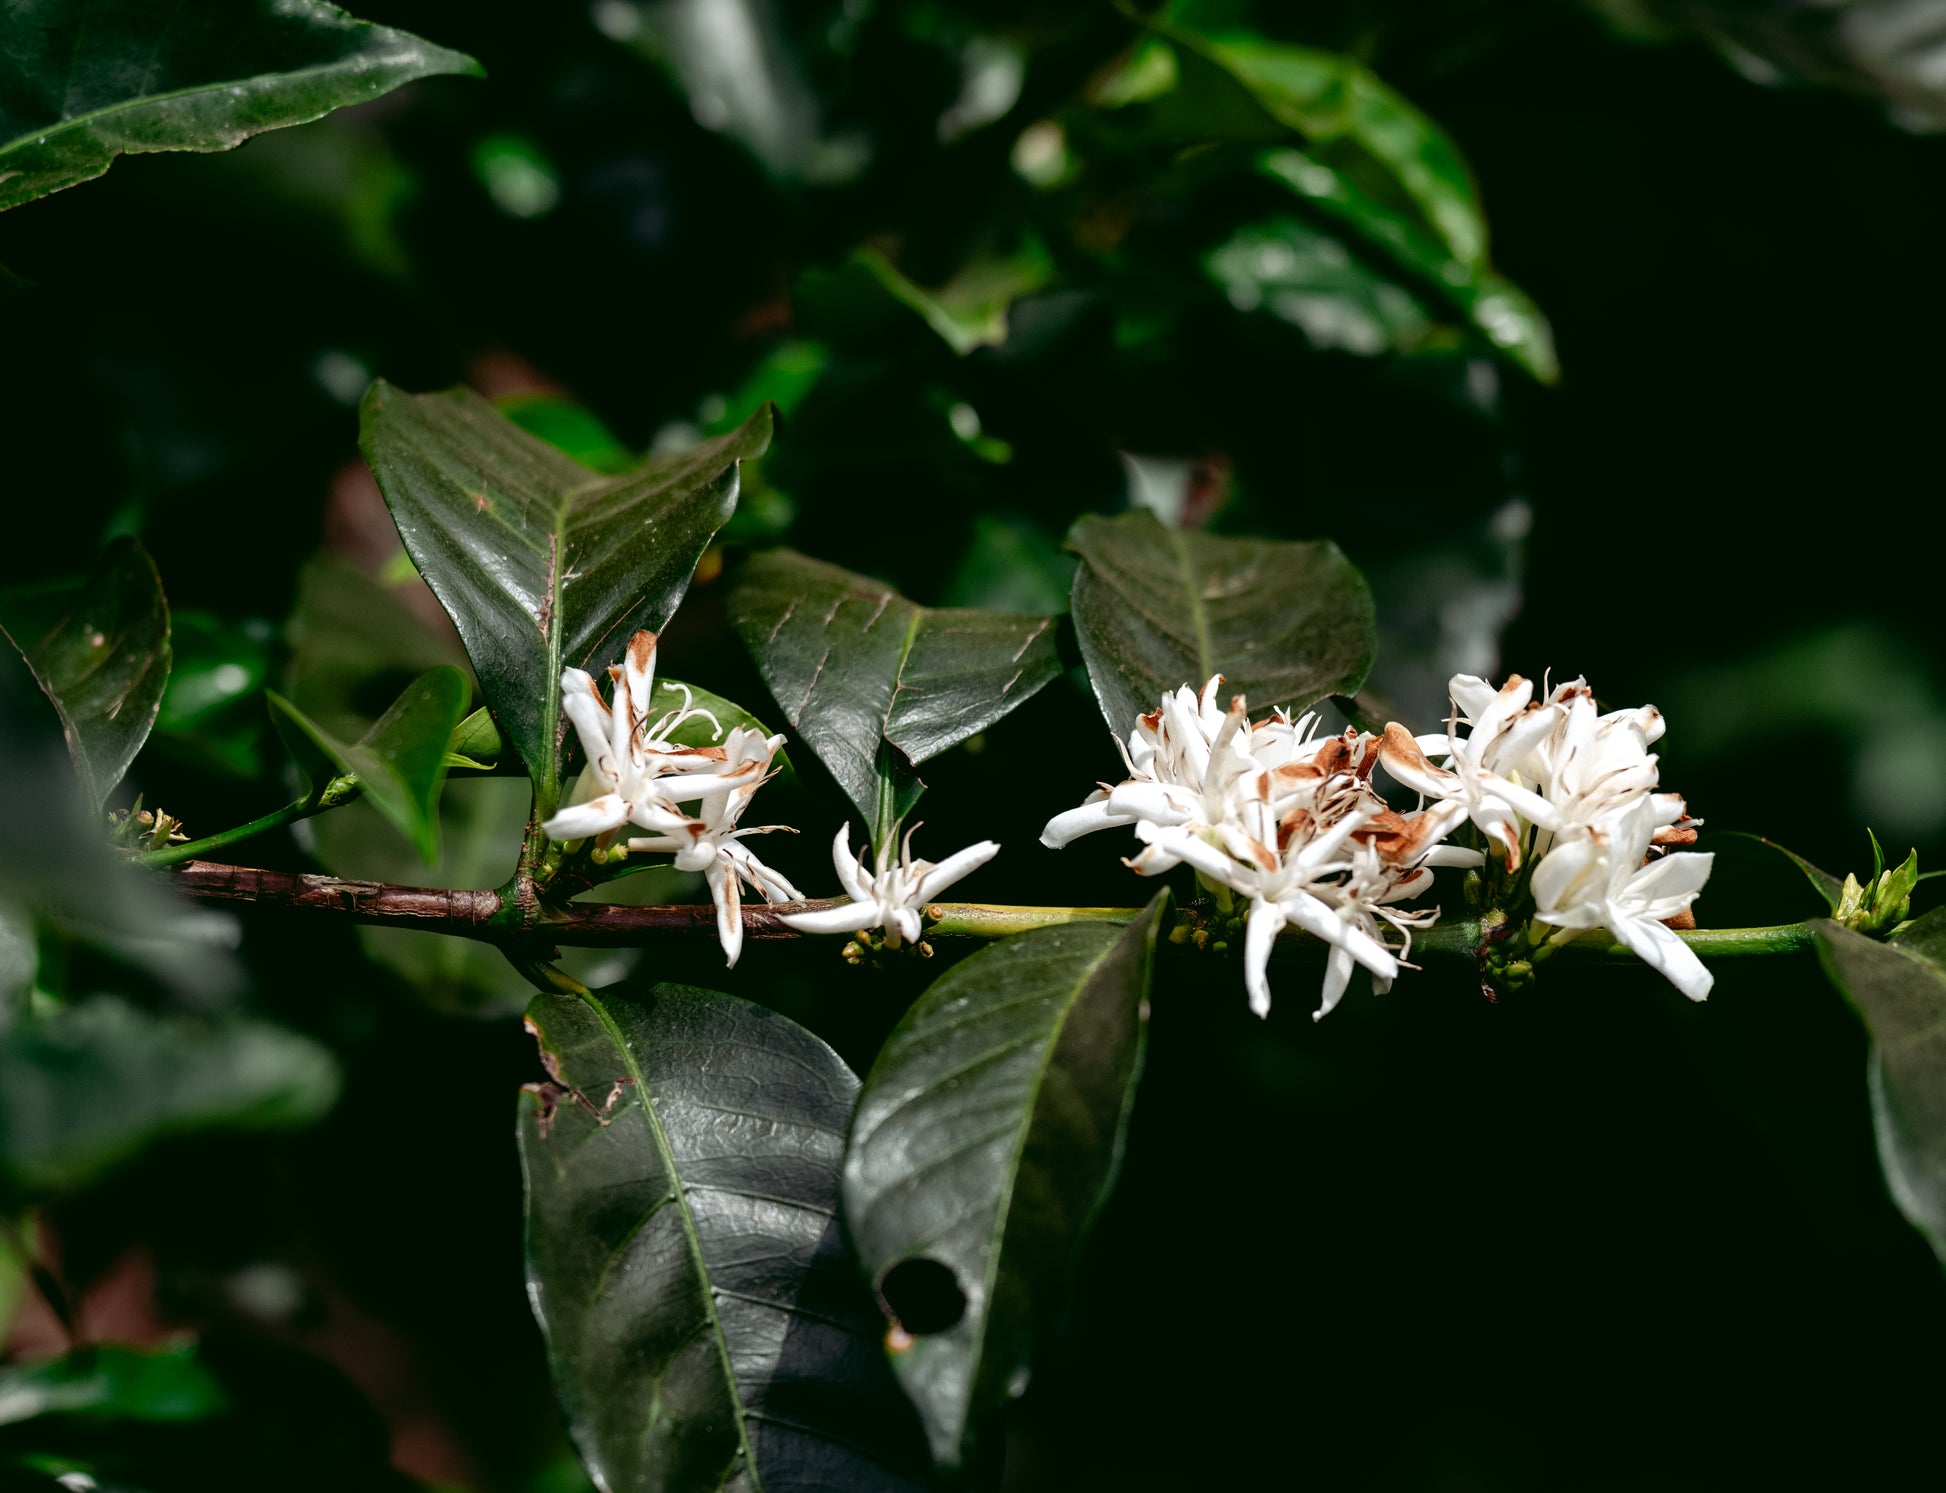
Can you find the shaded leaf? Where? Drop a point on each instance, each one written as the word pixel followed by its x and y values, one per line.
pixel 1899 988
pixel 541 563
pixel 209 709
pixel 705 1324
pixel 1828 886
pixel 1285 622
pixel 401 762
pixel 100 651
pixel 93 1084
pixel 988 1134
pixel 104 1380
pixel 858 668
pixel 83 81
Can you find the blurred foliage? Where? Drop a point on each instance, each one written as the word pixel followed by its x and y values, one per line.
pixel 998 265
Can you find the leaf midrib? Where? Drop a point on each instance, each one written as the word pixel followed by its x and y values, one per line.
pixel 690 1237
pixel 1205 665
pixel 42 136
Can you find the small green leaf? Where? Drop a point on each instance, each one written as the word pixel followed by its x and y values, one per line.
pixel 475 743
pixel 705 1324
pixel 858 668
pixel 1899 988
pixel 1284 622
pixel 93 1084
pixel 83 81
pixel 987 1136
pixel 108 1382
pixel 100 651
pixel 541 563
pixel 401 762
pixel 1828 886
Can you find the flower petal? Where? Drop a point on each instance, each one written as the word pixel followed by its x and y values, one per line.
pixel 724 891
pixel 597 816
pixel 960 863
pixel 1668 954
pixel 1337 975
pixel 584 707
pixel 1071 824
pixel 851 917
pixel 1265 922
pixel 851 875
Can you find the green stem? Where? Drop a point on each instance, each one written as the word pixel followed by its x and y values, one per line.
pixel 340 790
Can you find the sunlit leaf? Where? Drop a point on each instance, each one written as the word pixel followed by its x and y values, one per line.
pixel 402 761
pixel 1309 279
pixel 857 669
pixel 108 1381
pixel 541 563
pixel 100 651
pixel 83 81
pixel 988 1134
pixel 1500 310
pixel 1899 988
pixel 705 1324
pixel 1284 622
pixel 475 743
pixel 93 1084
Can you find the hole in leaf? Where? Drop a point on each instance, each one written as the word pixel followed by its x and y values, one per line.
pixel 922 1296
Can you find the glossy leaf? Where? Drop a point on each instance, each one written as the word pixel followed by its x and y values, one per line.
pixel 93 1084
pixel 1899 988
pixel 100 652
pixel 1361 126
pixel 83 81
pixel 1309 279
pixel 857 669
pixel 541 563
pixel 1284 622
pixel 705 1324
pixel 402 761
pixel 988 1134
pixel 1500 310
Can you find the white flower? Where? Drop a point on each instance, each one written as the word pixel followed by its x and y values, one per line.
pixel 1596 879
pixel 631 761
pixel 709 842
pixel 1481 781
pixel 1286 820
pixel 894 896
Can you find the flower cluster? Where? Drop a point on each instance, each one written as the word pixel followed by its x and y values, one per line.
pixel 1574 794
pixel 638 777
pixel 1288 820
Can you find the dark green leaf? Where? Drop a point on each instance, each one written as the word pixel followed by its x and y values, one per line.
pixel 101 652
pixel 83 81
pixel 1283 622
pixel 571 428
pixel 1011 565
pixel 541 563
pixel 1500 310
pixel 857 667
pixel 401 762
pixel 987 1136
pixel 209 709
pixel 110 1382
pixel 1360 127
pixel 92 1084
pixel 705 1324
pixel 1899 988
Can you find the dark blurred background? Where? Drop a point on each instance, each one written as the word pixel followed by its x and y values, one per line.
pixel 999 267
